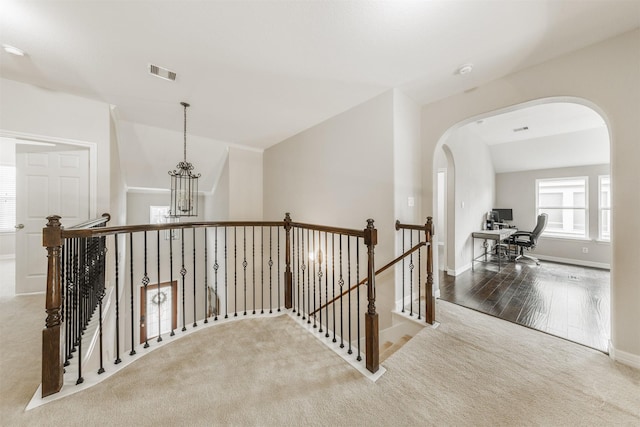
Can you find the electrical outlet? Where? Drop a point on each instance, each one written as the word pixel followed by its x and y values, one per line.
pixel 585 250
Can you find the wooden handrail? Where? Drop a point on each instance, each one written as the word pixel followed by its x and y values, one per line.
pixel 327 229
pixel 381 270
pixel 92 222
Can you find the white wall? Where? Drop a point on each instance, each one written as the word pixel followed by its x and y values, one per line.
pixel 516 190
pixel 474 194
pixel 341 172
pixel 39 112
pixel 605 76
pixel 245 185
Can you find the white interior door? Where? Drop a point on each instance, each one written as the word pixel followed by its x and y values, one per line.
pixel 47 183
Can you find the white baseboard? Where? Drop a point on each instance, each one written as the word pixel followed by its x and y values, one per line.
pixel 624 357
pixel 458 271
pixel 573 261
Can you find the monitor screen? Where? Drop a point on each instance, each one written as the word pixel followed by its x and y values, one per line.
pixel 504 214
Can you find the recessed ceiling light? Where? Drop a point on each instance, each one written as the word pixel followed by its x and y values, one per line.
pixel 13 50
pixel 464 69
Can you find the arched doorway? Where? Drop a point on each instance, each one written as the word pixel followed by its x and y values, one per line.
pixel 506 159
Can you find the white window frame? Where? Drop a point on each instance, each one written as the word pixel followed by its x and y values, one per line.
pixel 601 209
pixel 549 233
pixel 8 198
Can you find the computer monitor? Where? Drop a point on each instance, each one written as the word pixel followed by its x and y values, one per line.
pixel 504 214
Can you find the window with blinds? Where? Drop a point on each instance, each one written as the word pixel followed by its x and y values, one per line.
pixel 7 198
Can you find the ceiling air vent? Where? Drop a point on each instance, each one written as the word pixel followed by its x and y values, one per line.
pixel 163 73
pixel 523 128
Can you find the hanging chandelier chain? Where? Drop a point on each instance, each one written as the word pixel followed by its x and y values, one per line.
pixel 185 130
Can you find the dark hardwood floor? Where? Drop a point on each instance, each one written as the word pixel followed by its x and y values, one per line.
pixel 567 301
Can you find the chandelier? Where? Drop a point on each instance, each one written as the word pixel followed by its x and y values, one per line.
pixel 184 183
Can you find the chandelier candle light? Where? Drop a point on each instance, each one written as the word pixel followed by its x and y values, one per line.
pixel 184 183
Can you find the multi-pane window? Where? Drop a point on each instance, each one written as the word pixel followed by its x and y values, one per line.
pixel 604 206
pixel 565 201
pixel 7 198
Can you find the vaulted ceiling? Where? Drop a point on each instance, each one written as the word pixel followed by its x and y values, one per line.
pixel 258 72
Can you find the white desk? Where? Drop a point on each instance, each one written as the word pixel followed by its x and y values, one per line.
pixel 497 235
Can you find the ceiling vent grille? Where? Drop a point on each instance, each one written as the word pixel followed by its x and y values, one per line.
pixel 523 128
pixel 163 73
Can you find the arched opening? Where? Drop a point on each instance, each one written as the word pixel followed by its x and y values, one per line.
pixel 546 156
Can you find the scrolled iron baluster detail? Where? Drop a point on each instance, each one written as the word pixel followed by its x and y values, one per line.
pixel 216 266
pixel 288 275
pixel 270 263
pixel 430 309
pixel 244 266
pixel 411 267
pixel 235 272
pixel 349 351
pixel 145 283
pixel 341 285
pixel 206 277
pixel 171 235
pixel 333 282
pixel 326 284
pixel 320 279
pixel 183 273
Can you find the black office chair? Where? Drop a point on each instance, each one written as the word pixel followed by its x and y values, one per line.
pixel 528 239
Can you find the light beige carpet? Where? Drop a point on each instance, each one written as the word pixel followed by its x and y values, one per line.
pixel 472 370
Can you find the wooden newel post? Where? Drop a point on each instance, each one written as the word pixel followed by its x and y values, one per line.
pixel 52 370
pixel 430 309
pixel 371 317
pixel 288 275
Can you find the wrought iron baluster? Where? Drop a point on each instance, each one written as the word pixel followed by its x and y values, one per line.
pixel 158 290
pixel 183 273
pixel 359 358
pixel 253 265
pixel 244 265
pixel 145 283
pixel 133 346
pixel 117 277
pixel 270 269
pixel 206 277
pixel 261 270
pixel 171 275
pixel 320 277
pixel 341 285
pixel 295 271
pixel 349 351
pixel 303 267
pixel 278 234
pixel 215 276
pixel 403 272
pixel 194 278
pixel 326 284
pixel 419 277
pixel 313 260
pixel 308 280
pixel 226 276
pixel 411 266
pixel 235 271
pixel 333 282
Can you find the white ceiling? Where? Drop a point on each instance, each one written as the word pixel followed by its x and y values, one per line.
pixel 258 72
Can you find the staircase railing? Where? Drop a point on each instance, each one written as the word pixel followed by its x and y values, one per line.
pixel 201 271
pixel 407 291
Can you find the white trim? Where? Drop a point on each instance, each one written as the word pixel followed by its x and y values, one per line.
pixel 573 261
pixel 624 357
pixel 459 271
pixel 7 257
